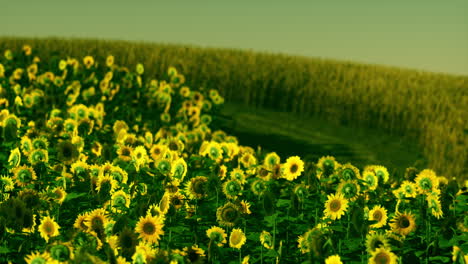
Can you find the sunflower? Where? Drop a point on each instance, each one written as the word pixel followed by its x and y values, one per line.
pixel 214 151
pixel 403 223
pixel 222 171
pixel 248 160
pixel 140 157
pixel 409 189
pixel 164 166
pixel 237 238
pixel 106 183
pixel 370 180
pixel 147 249
pixel 228 214
pixel 96 220
pixel 434 205
pixel 81 222
pixel 24 175
pixel 6 184
pixel 88 61
pixel 38 156
pixel 197 187
pixel 335 206
pixel 232 189
pixel 349 172
pixel 217 235
pixel 120 175
pixel 150 228
pixel 379 214
pixel 125 152
pixel 110 61
pixel 238 174
pixel 258 187
pixel 350 189
pixel 38 258
pixel 376 240
pixel 426 181
pixel 59 194
pixel 271 159
pixel 177 200
pixel 335 259
pixel 326 166
pixel 48 228
pixel 127 242
pixel 381 172
pixel 120 199
pixel 293 168
pixel 266 239
pixel 384 256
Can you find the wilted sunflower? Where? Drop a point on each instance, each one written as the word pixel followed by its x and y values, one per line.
pixel 237 238
pixel 228 214
pixel 335 206
pixel 24 175
pixel 335 259
pixel 266 239
pixel 403 223
pixel 150 228
pixel 350 189
pixel 376 240
pixel 379 214
pixel 232 189
pixel 293 168
pixel 383 256
pixel 197 187
pixel 38 258
pixel 426 181
pixel 48 228
pixel 217 235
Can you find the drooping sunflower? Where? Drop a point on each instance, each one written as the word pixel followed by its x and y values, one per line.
pixel 197 187
pixel 258 187
pixel 217 235
pixel 120 175
pixel 376 240
pixel 96 220
pixel 381 172
pixel 326 166
pixel 125 152
pixel 150 228
pixel 38 156
pixel 38 258
pixel 67 152
pixel 6 184
pixel 350 189
pixel 383 256
pixel 81 222
pixel 293 168
pixel 335 206
pixel 335 259
pixel 48 228
pixel 15 158
pixel 179 169
pixel 266 239
pixel 426 181
pixel 59 194
pixel 120 199
pixel 379 214
pixel 228 214
pixel 403 223
pixel 232 189
pixel 237 238
pixel 106 183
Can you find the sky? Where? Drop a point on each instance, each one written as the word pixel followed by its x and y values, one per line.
pixel 430 35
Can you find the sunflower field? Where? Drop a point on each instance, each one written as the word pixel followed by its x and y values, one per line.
pixel 101 163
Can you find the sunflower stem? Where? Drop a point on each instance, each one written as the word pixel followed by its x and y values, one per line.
pixel 240 256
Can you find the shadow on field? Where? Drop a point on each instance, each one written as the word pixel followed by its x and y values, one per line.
pixel 311 138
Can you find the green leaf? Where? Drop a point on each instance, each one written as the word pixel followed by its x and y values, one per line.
pixel 4 250
pixel 74 195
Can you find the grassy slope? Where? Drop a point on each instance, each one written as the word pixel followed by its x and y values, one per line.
pixel 312 138
pixel 427 108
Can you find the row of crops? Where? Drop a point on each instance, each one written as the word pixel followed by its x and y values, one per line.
pixel 103 163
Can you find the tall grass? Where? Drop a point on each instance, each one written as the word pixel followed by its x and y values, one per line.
pixel 428 107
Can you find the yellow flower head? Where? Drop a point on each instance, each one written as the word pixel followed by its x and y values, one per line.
pixel 48 228
pixel 237 238
pixel 383 255
pixel 150 228
pixel 293 168
pixel 403 223
pixel 379 214
pixel 335 206
pixel 217 235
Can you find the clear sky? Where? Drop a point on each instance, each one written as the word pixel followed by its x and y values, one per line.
pixel 422 34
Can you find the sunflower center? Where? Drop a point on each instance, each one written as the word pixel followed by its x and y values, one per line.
pixel 294 168
pixel 48 228
pixel 235 239
pixel 377 215
pixel 404 222
pixel 382 258
pixel 125 152
pixel 335 205
pixel 149 228
pixel 230 214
